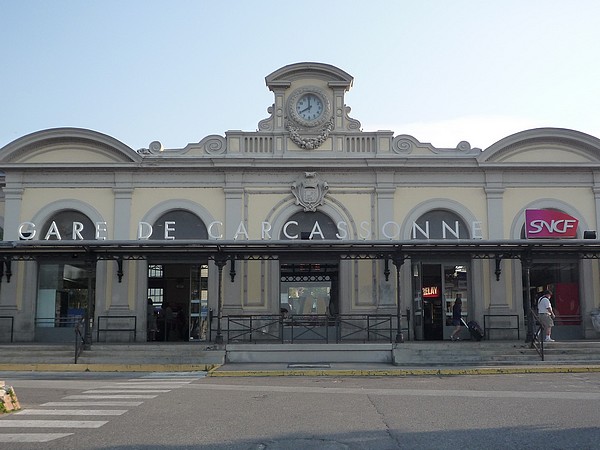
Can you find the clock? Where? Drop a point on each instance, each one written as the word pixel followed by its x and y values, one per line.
pixel 309 107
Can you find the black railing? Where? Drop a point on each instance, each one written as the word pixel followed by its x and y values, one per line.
pixel 114 321
pixel 79 340
pixel 491 322
pixel 311 327
pixel 252 328
pixel 12 325
pixel 538 336
pixel 57 322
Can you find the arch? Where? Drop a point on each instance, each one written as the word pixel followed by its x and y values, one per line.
pixel 547 203
pixel 282 212
pixel 187 225
pixel 291 72
pixel 40 142
pixel 166 206
pixel 51 209
pixel 585 146
pixel 441 204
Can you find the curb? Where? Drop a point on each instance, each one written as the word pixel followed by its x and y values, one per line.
pixel 217 370
pixel 106 367
pixel 401 372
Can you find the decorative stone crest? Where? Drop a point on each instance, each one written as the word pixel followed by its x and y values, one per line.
pixel 309 191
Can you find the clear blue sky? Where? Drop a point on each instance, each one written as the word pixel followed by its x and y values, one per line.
pixel 177 71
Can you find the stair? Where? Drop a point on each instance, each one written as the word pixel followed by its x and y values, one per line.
pixel 153 353
pixel 494 353
pixel 36 353
pixel 309 353
pixel 572 352
pixel 203 356
pixel 193 356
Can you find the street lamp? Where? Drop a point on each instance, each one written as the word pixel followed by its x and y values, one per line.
pixel 526 261
pixel 220 261
pixel 398 261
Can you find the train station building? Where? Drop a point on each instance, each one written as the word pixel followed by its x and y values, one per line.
pixel 309 221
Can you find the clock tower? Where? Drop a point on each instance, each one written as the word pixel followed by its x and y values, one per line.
pixel 309 104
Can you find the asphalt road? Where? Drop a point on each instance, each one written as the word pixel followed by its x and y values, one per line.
pixel 190 411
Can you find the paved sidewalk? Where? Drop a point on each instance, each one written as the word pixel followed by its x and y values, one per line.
pixel 375 369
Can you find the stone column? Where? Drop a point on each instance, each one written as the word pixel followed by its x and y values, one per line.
pixel 385 192
pixel 12 215
pixel 119 303
pixel 234 207
pixel 495 221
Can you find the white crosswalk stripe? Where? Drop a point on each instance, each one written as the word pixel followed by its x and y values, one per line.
pixel 71 412
pixel 31 437
pixel 92 403
pixel 52 423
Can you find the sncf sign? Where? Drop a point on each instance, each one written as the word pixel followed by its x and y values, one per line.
pixel 545 223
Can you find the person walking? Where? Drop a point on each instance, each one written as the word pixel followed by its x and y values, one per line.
pixel 546 314
pixel 456 317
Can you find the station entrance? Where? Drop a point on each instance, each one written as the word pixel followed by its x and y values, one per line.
pixel 435 288
pixel 309 288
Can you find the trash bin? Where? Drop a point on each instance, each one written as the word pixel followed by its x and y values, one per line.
pixel 595 313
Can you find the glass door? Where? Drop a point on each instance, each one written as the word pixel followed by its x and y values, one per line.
pixel 198 318
pixel 435 289
pixel 455 286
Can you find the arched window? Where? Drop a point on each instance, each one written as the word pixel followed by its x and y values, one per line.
pixel 68 225
pixel 320 225
pixel 186 225
pixel 439 224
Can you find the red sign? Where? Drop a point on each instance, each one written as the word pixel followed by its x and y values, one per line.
pixel 431 291
pixel 546 223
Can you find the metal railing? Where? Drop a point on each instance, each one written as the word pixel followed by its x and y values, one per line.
pixel 489 319
pixel 57 322
pixel 127 328
pixel 537 340
pixel 12 325
pixel 79 340
pixel 311 327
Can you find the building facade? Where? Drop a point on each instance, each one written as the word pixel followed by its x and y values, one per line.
pixel 309 173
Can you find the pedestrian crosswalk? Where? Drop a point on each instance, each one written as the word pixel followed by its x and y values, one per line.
pixel 89 409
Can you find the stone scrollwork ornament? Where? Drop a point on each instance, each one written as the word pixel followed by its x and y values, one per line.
pixel 309 191
pixel 310 143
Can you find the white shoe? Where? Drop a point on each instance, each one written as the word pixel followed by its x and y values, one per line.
pixel 549 340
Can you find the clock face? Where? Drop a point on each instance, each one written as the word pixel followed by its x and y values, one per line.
pixel 309 107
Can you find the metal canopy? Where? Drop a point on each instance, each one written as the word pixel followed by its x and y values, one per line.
pixel 178 250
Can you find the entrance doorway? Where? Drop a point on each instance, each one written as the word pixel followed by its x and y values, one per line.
pixel 562 278
pixel 179 296
pixel 309 289
pixel 435 288
pixel 65 296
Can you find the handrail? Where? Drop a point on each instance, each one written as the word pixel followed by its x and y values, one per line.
pixel 12 326
pixel 487 327
pixel 320 327
pixel 79 340
pixel 537 341
pixel 121 330
pixel 58 322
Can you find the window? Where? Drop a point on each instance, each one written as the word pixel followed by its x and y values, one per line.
pixel 155 271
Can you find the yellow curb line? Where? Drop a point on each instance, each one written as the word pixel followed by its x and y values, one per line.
pixel 398 372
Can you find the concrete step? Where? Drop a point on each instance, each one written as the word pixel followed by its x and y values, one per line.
pixel 308 353
pixel 37 353
pixel 418 354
